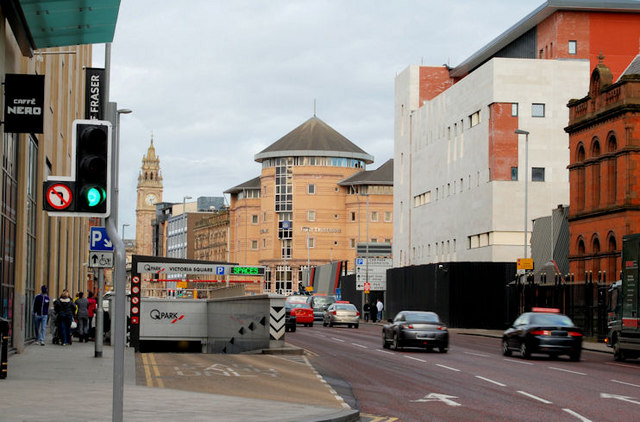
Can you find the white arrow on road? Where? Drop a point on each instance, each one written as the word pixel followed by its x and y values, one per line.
pixel 446 399
pixel 618 397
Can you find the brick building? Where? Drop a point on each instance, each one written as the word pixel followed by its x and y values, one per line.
pixel 604 136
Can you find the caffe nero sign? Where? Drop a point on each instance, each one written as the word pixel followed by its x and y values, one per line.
pixel 23 103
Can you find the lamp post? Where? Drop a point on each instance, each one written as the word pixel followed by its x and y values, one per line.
pixel 526 182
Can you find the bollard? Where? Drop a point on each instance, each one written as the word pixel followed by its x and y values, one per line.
pixel 4 342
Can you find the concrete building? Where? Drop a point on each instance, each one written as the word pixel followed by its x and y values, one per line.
pixel 460 171
pixel 308 207
pixel 604 135
pixel 37 248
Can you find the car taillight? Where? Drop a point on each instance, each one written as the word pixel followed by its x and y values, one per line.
pixel 442 328
pixel 410 326
pixel 541 332
pixel 575 334
pixel 333 312
pixel 357 313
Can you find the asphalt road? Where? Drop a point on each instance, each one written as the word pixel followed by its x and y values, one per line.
pixel 473 382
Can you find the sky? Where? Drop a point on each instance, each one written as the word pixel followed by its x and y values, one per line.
pixel 215 82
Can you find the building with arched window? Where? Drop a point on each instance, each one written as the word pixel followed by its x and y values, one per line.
pixel 604 172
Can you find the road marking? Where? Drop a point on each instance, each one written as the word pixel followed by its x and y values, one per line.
pixel 147 371
pixel 337 339
pixel 156 371
pixel 566 370
pixel 518 361
pixel 359 345
pixel 447 367
pixel 377 418
pixel 524 393
pixel 444 398
pixel 618 397
pixel 626 383
pixel 418 359
pixel 577 415
pixel 491 381
pixel 384 351
pixel 477 354
pixel 621 364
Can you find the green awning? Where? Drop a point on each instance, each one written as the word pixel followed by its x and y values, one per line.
pixel 59 23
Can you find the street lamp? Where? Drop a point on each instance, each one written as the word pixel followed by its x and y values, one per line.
pixel 526 182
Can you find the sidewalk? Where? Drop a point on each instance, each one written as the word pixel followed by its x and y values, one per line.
pixel 68 384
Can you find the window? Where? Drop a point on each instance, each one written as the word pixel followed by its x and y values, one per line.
pixel 264 243
pixel 573 47
pixel 254 245
pixel 254 219
pixel 374 240
pixel 264 216
pixel 311 242
pixel 514 173
pixel 352 243
pixel 387 241
pixel 387 216
pixel 514 109
pixel 474 119
pixel 352 215
pixel 537 110
pixel 311 215
pixel 374 216
pixel 311 189
pixel 537 174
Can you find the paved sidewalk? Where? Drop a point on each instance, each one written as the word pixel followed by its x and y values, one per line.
pixel 68 384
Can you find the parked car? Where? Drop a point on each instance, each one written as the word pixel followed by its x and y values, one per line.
pixel 543 330
pixel 297 299
pixel 416 329
pixel 289 322
pixel 303 313
pixel 320 303
pixel 341 314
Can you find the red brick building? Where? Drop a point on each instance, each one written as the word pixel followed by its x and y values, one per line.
pixel 604 171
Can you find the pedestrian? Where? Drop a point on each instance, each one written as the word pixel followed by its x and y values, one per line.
pixel 379 307
pixel 65 308
pixel 82 303
pixel 366 310
pixel 41 314
pixel 373 312
pixel 93 304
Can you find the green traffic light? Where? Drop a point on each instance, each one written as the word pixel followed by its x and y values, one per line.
pixel 95 196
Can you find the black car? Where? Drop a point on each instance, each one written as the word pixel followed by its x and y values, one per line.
pixel 289 321
pixel 416 329
pixel 543 330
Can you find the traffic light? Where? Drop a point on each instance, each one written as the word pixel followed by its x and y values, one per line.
pixel 92 140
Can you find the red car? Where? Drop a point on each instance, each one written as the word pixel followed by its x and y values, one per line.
pixel 303 313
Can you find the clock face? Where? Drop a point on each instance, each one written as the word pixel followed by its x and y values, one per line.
pixel 150 199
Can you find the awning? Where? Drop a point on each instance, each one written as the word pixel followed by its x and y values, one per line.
pixel 40 24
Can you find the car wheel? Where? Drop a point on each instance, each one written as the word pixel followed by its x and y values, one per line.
pixel 330 324
pixel 524 350
pixel 575 356
pixel 443 349
pixel 505 348
pixel 385 345
pixel 356 326
pixel 618 353
pixel 349 325
pixel 324 323
pixel 293 329
pixel 311 324
pixel 395 343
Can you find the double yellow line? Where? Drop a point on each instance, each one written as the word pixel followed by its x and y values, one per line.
pixel 149 364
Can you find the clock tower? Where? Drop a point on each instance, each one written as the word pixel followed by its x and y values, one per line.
pixel 149 193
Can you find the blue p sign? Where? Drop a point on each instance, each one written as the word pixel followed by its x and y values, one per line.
pixel 219 270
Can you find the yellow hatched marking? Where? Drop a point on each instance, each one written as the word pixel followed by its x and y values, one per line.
pixel 147 370
pixel 375 418
pixel 156 371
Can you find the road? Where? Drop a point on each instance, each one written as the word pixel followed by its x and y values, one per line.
pixel 473 382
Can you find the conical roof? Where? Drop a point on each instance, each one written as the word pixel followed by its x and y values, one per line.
pixel 314 138
pixel 382 176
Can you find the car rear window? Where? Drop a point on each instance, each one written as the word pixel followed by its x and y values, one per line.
pixel 322 300
pixel 421 317
pixel 551 319
pixel 345 307
pixel 300 305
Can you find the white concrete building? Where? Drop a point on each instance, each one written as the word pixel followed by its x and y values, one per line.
pixel 452 199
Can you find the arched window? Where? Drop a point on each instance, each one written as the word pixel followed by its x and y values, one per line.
pixel 580 153
pixel 595 247
pixel 579 174
pixel 612 169
pixel 580 249
pixel 612 270
pixel 595 174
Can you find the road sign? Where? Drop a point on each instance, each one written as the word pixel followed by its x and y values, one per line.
pixel 220 270
pixel 99 240
pixel 59 196
pixel 374 271
pixel 99 259
pixel 524 264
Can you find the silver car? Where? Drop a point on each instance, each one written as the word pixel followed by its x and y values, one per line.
pixel 341 313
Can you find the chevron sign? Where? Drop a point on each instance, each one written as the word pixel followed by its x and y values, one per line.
pixel 276 323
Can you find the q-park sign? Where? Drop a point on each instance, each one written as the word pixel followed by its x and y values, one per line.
pixel 99 240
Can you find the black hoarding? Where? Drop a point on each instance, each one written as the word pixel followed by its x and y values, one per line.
pixel 24 103
pixel 94 94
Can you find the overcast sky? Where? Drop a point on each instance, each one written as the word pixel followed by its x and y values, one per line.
pixel 218 81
